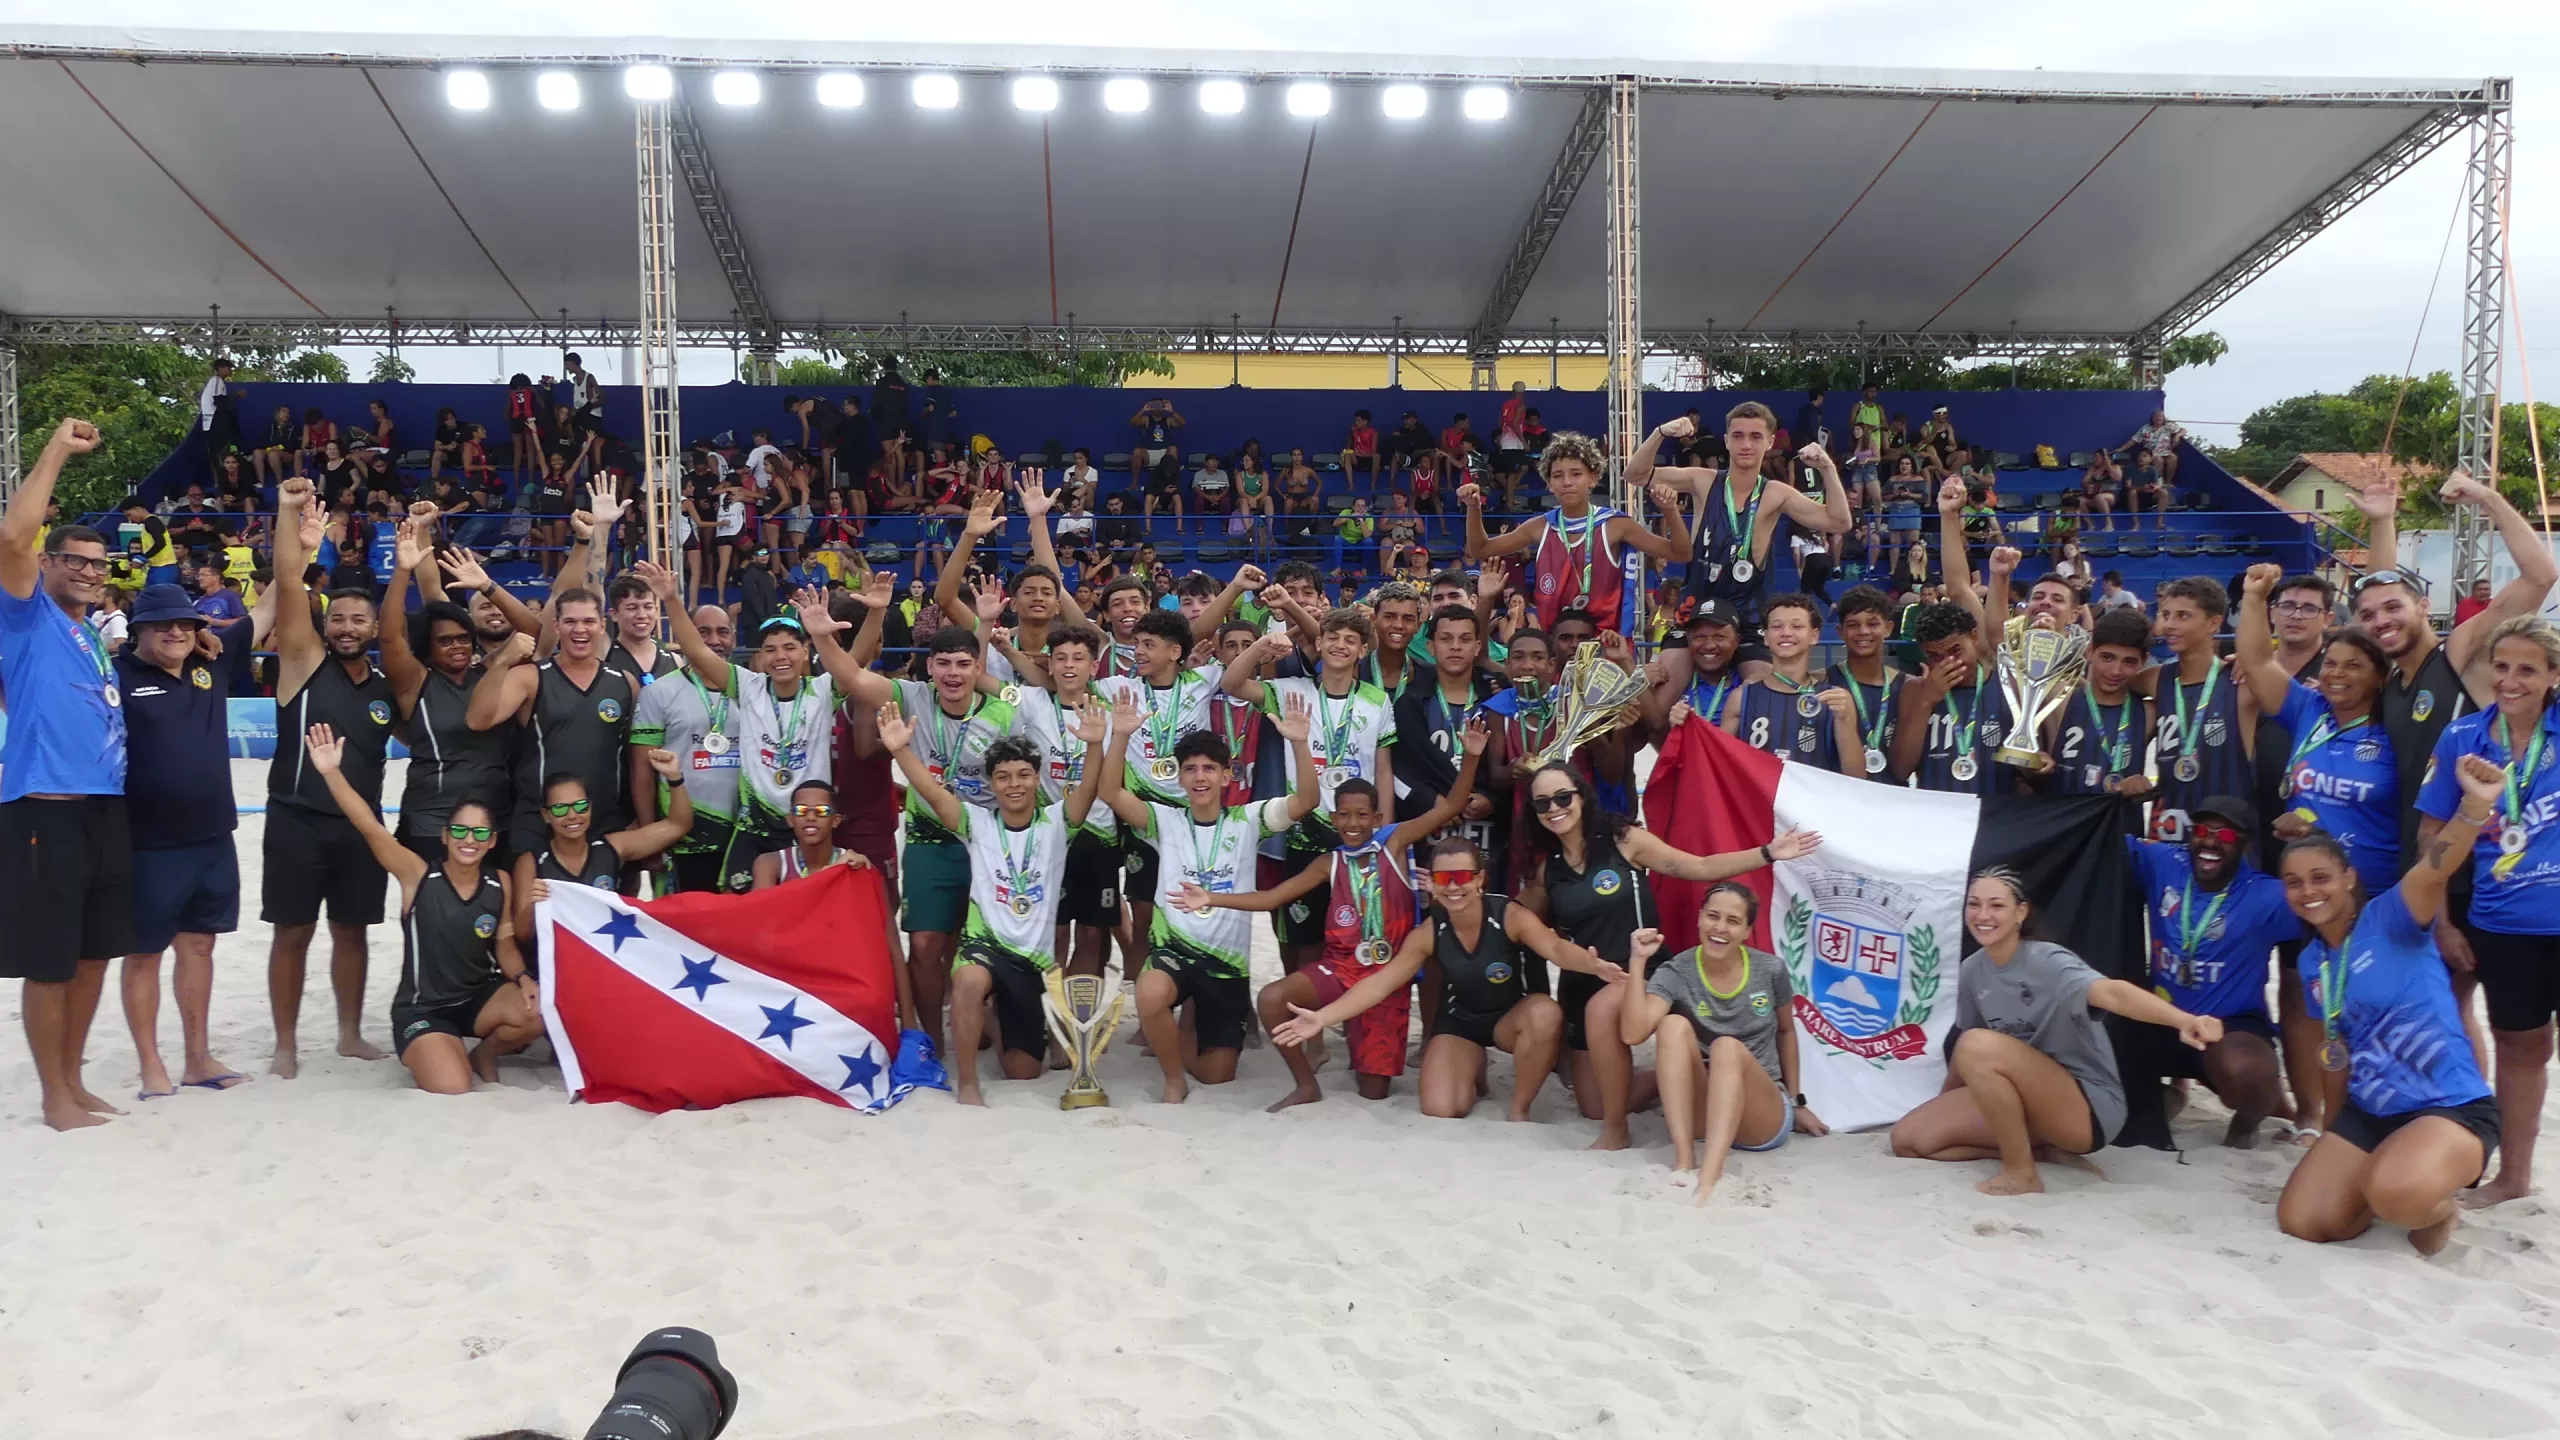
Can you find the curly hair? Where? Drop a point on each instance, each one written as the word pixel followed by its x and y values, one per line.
pixel 1573 445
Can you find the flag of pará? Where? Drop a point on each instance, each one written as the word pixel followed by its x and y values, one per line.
pixel 698 1000
pixel 1871 926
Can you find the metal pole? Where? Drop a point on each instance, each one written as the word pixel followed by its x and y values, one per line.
pixel 1554 340
pixel 657 337
pixel 10 473
pixel 2484 319
pixel 1395 355
pixel 1626 331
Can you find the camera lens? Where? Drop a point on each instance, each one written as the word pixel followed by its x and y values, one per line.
pixel 672 1388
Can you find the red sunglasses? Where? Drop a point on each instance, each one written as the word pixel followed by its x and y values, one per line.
pixel 1453 877
pixel 2218 834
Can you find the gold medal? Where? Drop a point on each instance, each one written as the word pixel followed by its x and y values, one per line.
pixel 1164 772
pixel 2333 1054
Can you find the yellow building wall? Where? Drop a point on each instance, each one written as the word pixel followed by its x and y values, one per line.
pixel 1367 372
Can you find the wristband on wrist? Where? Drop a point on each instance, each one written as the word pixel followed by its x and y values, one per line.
pixel 1766 858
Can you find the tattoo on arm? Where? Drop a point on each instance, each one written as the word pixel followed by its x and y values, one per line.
pixel 2436 851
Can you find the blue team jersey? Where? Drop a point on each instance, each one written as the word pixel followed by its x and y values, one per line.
pixel 1775 720
pixel 2225 973
pixel 2097 744
pixel 1969 721
pixel 2207 712
pixel 2349 780
pixel 66 737
pixel 2526 899
pixel 2398 1017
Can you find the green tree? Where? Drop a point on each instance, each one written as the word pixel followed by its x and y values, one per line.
pixel 2422 427
pixel 2079 370
pixel 997 368
pixel 390 369
pixel 142 398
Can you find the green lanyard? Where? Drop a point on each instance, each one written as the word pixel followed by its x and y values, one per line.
pixel 1455 745
pixel 717 715
pixel 1872 731
pixel 1964 737
pixel 2333 994
pixel 1161 721
pixel 1578 555
pixel 2187 734
pixel 98 652
pixel 792 720
pixel 2323 730
pixel 2192 929
pixel 1367 890
pixel 2124 728
pixel 1713 711
pixel 1016 870
pixel 1217 845
pixel 946 732
pixel 2517 790
pixel 1337 732
pixel 1747 517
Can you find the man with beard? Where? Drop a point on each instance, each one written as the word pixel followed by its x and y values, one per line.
pixel 2214 918
pixel 313 856
pixel 434 666
pixel 683 715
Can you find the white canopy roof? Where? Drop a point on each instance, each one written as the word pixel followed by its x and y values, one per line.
pixel 153 176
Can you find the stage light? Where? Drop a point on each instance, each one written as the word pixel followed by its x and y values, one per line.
pixel 1486 102
pixel 1222 97
pixel 1404 102
pixel 936 92
pixel 556 89
pixel 466 90
pixel 839 91
pixel 736 87
pixel 1125 97
pixel 1309 100
pixel 1035 92
pixel 648 82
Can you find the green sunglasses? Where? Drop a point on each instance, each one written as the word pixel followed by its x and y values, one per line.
pixel 482 833
pixel 560 808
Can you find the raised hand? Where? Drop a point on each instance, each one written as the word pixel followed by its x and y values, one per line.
pixel 983 519
pixel 517 650
pixel 1475 735
pixel 322 747
pixel 582 525
pixel 291 496
pixel 1293 720
pixel 1093 723
pixel 605 502
pixel 1251 577
pixel 1815 456
pixel 1033 487
pixel 664 762
pixel 1471 495
pixel 1679 427
pixel 1665 499
pixel 80 437
pixel 1490 582
pixel 2481 780
pixel 313 528
pixel 660 580
pixel 1794 843
pixel 879 591
pixel 1951 496
pixel 991 601
pixel 811 606
pixel 895 732
pixel 409 543
pixel 1643 945
pixel 2004 559
pixel 1126 717
pixel 2461 489
pixel 464 567
pixel 2261 580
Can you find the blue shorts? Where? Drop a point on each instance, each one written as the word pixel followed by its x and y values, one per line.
pixel 185 890
pixel 1786 1126
pixel 1903 519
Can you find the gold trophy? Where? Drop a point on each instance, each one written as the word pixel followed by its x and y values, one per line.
pixel 1083 1022
pixel 1593 696
pixel 2038 671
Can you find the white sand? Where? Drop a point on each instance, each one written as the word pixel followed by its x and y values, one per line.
pixel 340 1255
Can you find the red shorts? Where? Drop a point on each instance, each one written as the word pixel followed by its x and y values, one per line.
pixel 1377 1035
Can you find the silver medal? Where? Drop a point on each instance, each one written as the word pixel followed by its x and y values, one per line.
pixel 1875 762
pixel 715 743
pixel 1964 769
pixel 114 697
pixel 1336 776
pixel 1808 705
pixel 1373 952
pixel 1010 694
pixel 1743 571
pixel 2511 840
pixel 2187 769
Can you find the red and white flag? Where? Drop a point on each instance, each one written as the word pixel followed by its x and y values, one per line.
pixel 698 1000
pixel 1871 926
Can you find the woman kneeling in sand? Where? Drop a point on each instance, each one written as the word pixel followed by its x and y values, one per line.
pixel 460 974
pixel 1721 1023
pixel 1483 944
pixel 2029 1066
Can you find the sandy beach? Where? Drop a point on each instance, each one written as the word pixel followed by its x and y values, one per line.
pixel 341 1256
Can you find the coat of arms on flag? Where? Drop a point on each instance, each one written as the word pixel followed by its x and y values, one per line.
pixel 699 1000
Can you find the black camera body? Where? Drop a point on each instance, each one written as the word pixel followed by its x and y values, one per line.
pixel 672 1388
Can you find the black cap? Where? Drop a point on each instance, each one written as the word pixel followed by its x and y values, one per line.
pixel 2242 815
pixel 1709 612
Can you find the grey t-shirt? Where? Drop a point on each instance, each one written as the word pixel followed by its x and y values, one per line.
pixel 1751 1014
pixel 2042 997
pixel 674 714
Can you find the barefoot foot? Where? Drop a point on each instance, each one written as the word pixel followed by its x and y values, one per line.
pixel 2027 1182
pixel 1612 1137
pixel 93 1104
pixel 2430 1239
pixel 68 1114
pixel 286 1063
pixel 969 1095
pixel 355 1047
pixel 1306 1094
pixel 1176 1091
pixel 2243 1134
pixel 2496 1192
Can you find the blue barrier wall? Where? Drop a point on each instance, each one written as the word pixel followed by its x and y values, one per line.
pixel 1027 419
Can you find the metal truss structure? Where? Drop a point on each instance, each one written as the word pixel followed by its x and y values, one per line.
pixel 1582 145
pixel 655 145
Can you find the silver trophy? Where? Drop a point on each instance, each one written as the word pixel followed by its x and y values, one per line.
pixel 2038 671
pixel 1082 1019
pixel 1593 697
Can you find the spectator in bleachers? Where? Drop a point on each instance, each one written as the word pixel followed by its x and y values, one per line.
pixel 276 446
pixel 1904 496
pixel 550 502
pixel 891 415
pixel 2113 596
pixel 1253 495
pixel 1080 484
pixel 1809 426
pixel 445 444
pixel 1360 449
pixel 1457 439
pixel 850 449
pixel 2098 486
pixel 524 426
pixel 1155 422
pixel 1911 568
pixel 318 433
pixel 379 432
pixel 1869 411
pixel 2143 481
pixel 1510 443
pixel 2072 568
pixel 1535 435
pixel 1938 436
pixel 1120 532
pixel 382 480
pixel 1351 534
pixel 989 473
pixel 1865 488
pixel 937 428
pixel 2157 440
pixel 1399 533
pixel 1411 441
pixel 1212 491
pixel 1164 489
pixel 1429 469
pixel 338 475
pixel 1299 484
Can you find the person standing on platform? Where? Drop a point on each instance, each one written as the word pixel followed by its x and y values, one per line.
pixel 1739 508
pixel 178 789
pixel 62 772
pixel 313 857
pixel 1790 712
pixel 1578 549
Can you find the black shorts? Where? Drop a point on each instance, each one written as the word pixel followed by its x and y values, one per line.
pixel 1301 921
pixel 460 1020
pixel 1224 1003
pixel 66 885
pixel 1143 865
pixel 1468 1025
pixel 2521 976
pixel 753 831
pixel 2177 1062
pixel 1021 1023
pixel 698 872
pixel 185 890
pixel 1574 991
pixel 314 860
pixel 2366 1131
pixel 1092 892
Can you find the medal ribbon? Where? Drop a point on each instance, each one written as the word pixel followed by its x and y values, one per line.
pixel 2192 929
pixel 719 714
pixel 2187 734
pixel 2124 728
pixel 791 721
pixel 1368 891
pixel 2333 992
pixel 1217 846
pixel 1014 869
pixel 1337 733
pixel 1873 732
pixel 1744 521
pixel 2514 798
pixel 1449 724
pixel 1964 738
pixel 1577 554
pixel 1713 711
pixel 1162 720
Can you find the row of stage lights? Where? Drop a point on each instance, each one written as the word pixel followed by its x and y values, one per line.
pixel 839 90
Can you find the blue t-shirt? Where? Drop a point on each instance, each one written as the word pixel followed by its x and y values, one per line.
pixel 2226 973
pixel 2398 1017
pixel 178 780
pixel 221 606
pixel 64 738
pixel 2525 900
pixel 2349 781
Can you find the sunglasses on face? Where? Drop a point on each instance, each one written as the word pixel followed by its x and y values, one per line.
pixel 2218 834
pixel 2386 577
pixel 559 808
pixel 1452 879
pixel 481 833
pixel 812 812
pixel 1555 804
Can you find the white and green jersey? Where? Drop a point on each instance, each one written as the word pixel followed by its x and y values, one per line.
pixel 1220 857
pixel 954 748
pixel 1044 717
pixel 781 743
pixel 1014 877
pixel 1345 734
pixel 1170 712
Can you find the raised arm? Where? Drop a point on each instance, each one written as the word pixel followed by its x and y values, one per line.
pixel 299 650
pixel 982 520
pixel 2000 569
pixel 1292 725
pixel 879 591
pixel 1033 488
pixel 2467 647
pixel 466 571
pixel 1670 545
pixel 2443 855
pixel 1643 847
pixel 2136 1003
pixel 1113 784
pixel 26 508
pixel 504 690
pixel 709 664
pixel 860 686
pixel 322 748
pixel 400 663
pixel 1481 546
pixel 1641 468
pixel 1956 563
pixel 1243 679
pixel 2254 646
pixel 1248 577
pixel 897 736
pixel 644 840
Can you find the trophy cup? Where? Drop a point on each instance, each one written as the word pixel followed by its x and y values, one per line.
pixel 1083 1022
pixel 1592 696
pixel 2038 671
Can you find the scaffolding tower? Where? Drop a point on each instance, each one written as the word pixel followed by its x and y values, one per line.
pixel 2484 321
pixel 660 485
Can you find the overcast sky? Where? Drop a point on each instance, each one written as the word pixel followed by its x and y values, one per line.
pixel 2346 305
